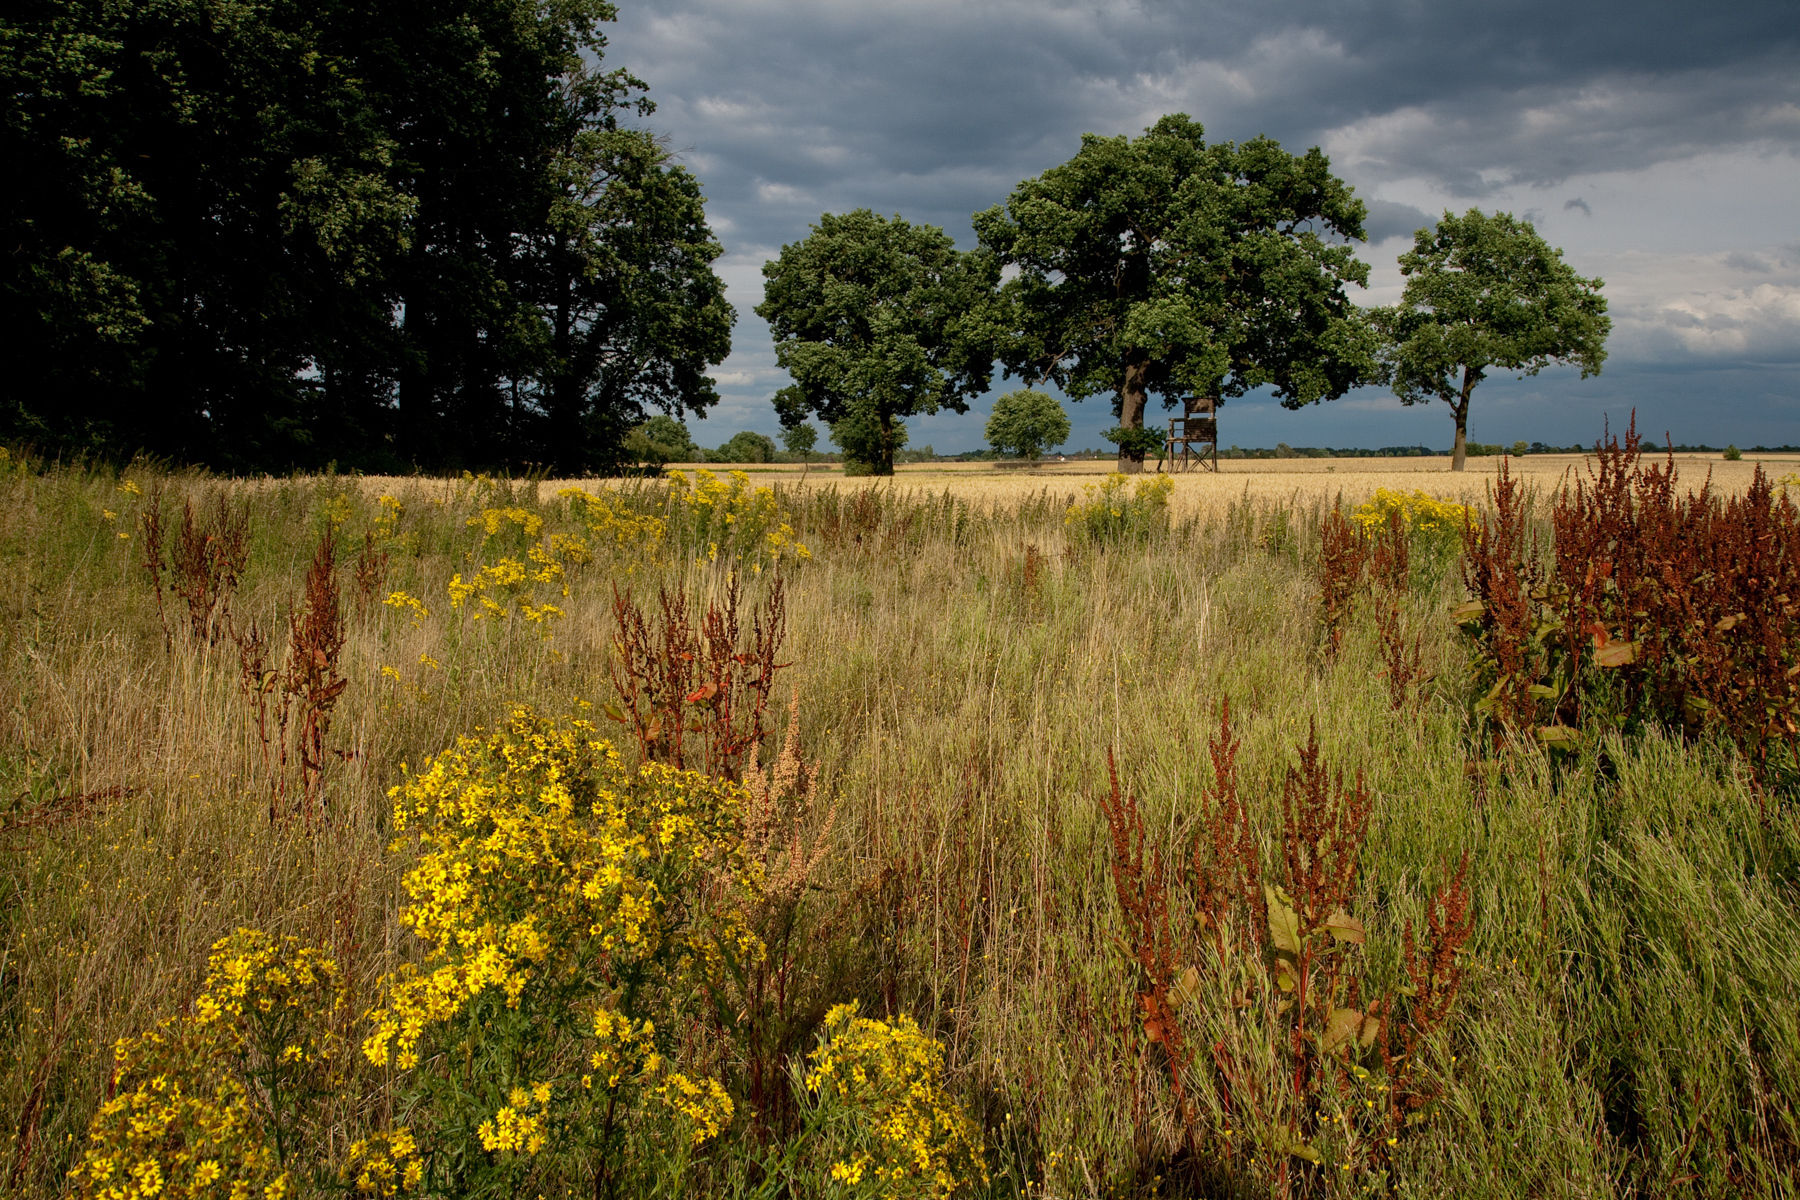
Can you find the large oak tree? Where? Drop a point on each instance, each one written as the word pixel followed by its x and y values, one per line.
pixel 877 320
pixel 1162 265
pixel 1483 292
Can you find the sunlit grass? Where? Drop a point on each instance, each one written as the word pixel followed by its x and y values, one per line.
pixel 964 664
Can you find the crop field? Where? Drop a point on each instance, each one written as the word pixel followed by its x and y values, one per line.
pixel 979 832
pixel 1292 481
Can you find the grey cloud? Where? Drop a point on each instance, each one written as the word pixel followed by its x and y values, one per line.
pixel 1577 202
pixel 1388 219
pixel 935 108
pixel 1753 264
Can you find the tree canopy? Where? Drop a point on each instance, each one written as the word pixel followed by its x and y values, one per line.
pixel 1163 265
pixel 272 234
pixel 746 446
pixel 662 439
pixel 877 319
pixel 1027 423
pixel 1482 292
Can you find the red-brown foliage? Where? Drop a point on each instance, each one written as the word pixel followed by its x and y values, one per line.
pixel 1691 600
pixel 1343 557
pixel 695 694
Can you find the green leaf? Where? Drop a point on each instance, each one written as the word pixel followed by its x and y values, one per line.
pixel 1558 737
pixel 1615 654
pixel 1284 922
pixel 1467 612
pixel 1343 1025
pixel 1345 928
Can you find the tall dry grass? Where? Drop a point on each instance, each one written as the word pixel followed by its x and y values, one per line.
pixel 964 667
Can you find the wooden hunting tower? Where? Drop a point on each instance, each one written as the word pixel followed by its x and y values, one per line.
pixel 1193 436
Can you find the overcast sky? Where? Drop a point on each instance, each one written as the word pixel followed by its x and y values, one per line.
pixel 1657 144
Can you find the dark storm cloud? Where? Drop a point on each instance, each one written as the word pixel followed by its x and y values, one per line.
pixel 849 104
pixel 1388 219
pixel 786 109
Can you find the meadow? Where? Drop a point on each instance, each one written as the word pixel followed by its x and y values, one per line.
pixel 1169 839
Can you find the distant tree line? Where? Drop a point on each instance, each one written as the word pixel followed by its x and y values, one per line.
pixel 274 235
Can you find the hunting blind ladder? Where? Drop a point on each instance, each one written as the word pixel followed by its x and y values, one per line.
pixel 1193 439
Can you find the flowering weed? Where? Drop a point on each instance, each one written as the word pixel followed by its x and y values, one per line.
pixel 1109 513
pixel 571 910
pixel 213 1103
pixel 882 1118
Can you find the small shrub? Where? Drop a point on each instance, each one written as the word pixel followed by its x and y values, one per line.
pixel 572 912
pixel 218 1102
pixel 1109 513
pixel 880 1115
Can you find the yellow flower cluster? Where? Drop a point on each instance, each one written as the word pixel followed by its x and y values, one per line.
pixel 182 1123
pixel 518 1126
pixel 1421 511
pixel 549 877
pixel 385 1164
pixel 702 1101
pixel 626 1049
pixel 387 517
pixel 1107 513
pixel 625 531
pixel 409 603
pixel 492 520
pixel 910 1137
pixel 709 518
pixel 729 518
pixel 520 583
pixel 337 510
pixel 257 985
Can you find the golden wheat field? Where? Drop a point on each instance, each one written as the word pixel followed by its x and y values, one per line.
pixel 1277 481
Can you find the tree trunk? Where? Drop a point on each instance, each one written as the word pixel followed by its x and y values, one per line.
pixel 565 392
pixel 1132 399
pixel 1459 453
pixel 886 464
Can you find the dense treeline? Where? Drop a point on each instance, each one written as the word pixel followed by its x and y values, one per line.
pixel 273 234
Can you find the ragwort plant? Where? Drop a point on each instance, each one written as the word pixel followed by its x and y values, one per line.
pixel 575 914
pixel 730 520
pixel 219 1102
pixel 527 578
pixel 705 520
pixel 880 1120
pixel 1108 513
